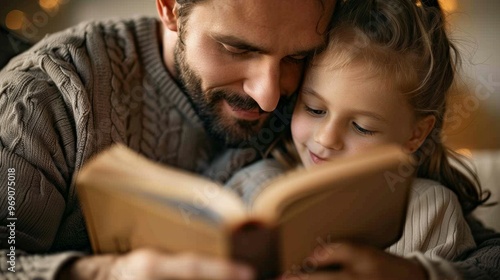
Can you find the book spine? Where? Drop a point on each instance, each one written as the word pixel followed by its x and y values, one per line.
pixel 256 244
pixel 86 209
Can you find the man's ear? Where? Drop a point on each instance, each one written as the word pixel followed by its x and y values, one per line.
pixel 422 128
pixel 167 10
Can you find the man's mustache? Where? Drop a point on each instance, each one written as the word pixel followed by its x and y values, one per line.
pixel 237 101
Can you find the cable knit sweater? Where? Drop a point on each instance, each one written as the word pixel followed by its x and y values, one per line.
pixel 74 94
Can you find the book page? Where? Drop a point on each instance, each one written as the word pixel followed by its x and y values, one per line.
pixel 119 222
pixel 296 184
pixel 130 201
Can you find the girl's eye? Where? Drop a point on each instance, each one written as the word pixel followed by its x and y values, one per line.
pixel 361 130
pixel 314 112
pixel 234 50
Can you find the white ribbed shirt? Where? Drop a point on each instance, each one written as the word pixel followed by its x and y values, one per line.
pixel 435 229
pixel 435 224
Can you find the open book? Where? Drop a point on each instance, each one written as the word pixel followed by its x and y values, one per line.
pixel 129 201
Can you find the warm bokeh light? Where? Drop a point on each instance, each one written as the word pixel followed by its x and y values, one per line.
pixel 49 4
pixel 448 6
pixel 14 20
pixel 464 152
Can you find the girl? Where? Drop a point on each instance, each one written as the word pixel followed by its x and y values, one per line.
pixel 383 78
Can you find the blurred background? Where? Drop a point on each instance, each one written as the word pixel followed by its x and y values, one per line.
pixel 474 108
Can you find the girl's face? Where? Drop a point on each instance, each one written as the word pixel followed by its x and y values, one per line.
pixel 341 112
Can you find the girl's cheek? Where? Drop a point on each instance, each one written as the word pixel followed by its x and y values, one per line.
pixel 301 128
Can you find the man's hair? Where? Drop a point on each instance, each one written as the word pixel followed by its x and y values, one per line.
pixel 185 7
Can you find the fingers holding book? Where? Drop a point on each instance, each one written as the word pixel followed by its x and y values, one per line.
pixel 349 260
pixel 153 264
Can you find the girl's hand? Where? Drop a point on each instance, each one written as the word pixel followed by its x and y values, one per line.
pixel 356 261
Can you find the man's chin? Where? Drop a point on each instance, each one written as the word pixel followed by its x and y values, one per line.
pixel 237 134
pixel 235 138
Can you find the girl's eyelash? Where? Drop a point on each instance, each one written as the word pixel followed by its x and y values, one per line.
pixel 319 113
pixel 314 112
pixel 362 130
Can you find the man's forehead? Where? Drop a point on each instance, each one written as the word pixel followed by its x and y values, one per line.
pixel 273 13
pixel 295 24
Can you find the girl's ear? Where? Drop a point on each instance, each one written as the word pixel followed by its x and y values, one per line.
pixel 167 10
pixel 422 128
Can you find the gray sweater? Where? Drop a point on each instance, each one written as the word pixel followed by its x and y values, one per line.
pixel 74 94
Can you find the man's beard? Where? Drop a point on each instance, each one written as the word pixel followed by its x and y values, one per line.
pixel 225 129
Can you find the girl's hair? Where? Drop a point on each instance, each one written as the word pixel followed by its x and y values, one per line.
pixel 405 42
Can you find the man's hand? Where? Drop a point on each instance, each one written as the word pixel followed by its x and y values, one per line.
pixel 153 264
pixel 356 261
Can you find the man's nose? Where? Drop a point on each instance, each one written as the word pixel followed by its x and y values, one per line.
pixel 263 83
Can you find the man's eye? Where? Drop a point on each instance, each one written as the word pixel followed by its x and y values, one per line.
pixel 314 112
pixel 296 58
pixel 234 50
pixel 299 57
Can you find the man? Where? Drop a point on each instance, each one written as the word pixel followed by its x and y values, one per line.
pixel 181 92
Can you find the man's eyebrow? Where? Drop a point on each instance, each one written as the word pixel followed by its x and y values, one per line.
pixel 318 49
pixel 240 43
pixel 306 53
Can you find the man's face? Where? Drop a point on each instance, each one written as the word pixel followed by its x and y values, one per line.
pixel 237 58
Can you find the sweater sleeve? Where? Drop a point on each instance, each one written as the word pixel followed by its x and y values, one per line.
pixel 484 261
pixel 34 158
pixel 38 154
pixel 481 263
pixel 251 180
pixel 33 266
